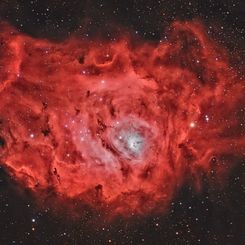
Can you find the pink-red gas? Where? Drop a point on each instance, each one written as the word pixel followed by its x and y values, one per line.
pixel 118 126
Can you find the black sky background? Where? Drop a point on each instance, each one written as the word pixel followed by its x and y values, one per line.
pixel 211 217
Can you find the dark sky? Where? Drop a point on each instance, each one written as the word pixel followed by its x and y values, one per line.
pixel 57 19
pixel 212 217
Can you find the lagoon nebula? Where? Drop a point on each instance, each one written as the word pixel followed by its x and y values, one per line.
pixel 118 126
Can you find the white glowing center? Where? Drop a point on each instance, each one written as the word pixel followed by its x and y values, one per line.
pixel 130 142
pixel 134 142
pixel 132 138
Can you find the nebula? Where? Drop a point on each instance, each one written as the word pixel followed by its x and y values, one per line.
pixel 118 126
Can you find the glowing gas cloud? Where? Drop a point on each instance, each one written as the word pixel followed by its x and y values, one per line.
pixel 118 126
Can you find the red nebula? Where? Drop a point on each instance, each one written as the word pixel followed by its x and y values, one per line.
pixel 118 126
